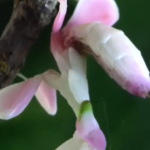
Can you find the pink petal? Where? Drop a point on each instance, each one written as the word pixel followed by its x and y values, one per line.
pixel 89 129
pixel 15 98
pixel 60 16
pixel 46 96
pixel 87 11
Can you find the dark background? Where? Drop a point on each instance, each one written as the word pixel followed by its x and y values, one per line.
pixel 125 119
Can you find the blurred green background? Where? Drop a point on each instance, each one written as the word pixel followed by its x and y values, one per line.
pixel 125 119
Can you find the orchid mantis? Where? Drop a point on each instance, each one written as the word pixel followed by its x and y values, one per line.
pixel 87 32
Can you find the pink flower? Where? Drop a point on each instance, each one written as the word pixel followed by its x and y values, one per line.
pixel 89 31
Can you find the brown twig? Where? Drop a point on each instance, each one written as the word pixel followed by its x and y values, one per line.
pixel 27 21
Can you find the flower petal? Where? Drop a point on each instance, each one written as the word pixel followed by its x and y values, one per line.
pixel 89 129
pixel 87 11
pixel 15 98
pixel 46 96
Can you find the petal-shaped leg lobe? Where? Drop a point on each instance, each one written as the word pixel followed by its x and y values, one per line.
pixel 60 16
pixel 88 127
pixel 15 98
pixel 46 96
pixel 88 11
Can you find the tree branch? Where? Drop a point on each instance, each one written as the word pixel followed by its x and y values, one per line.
pixel 27 21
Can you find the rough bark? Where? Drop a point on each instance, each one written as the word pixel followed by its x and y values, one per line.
pixel 28 19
